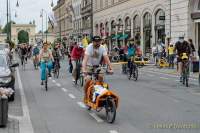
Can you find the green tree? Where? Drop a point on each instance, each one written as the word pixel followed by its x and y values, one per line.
pixel 8 27
pixel 23 37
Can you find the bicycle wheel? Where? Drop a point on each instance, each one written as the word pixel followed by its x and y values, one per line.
pixel 110 110
pixel 56 72
pixel 135 74
pixel 129 74
pixel 199 79
pixel 81 80
pixel 46 82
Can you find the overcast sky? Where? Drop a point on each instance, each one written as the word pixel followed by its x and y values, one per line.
pixel 27 11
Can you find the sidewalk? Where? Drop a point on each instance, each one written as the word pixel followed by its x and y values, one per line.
pixel 14 112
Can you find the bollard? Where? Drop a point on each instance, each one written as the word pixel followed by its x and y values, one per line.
pixel 3 111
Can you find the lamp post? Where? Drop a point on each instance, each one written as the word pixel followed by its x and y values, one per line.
pixel 9 17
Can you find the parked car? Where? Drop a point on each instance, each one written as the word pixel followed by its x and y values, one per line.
pixel 7 73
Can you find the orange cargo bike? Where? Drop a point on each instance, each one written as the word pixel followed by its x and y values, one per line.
pixel 107 99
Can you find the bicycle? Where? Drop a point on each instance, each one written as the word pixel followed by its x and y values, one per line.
pixel 23 59
pixel 35 62
pixel 185 70
pixel 133 70
pixel 56 71
pixel 79 75
pixel 106 100
pixel 46 79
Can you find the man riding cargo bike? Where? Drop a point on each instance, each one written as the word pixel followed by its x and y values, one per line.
pixel 97 93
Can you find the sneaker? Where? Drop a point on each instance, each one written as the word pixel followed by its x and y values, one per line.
pixel 42 83
pixel 73 80
pixel 50 75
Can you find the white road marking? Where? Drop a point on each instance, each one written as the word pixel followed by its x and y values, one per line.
pixel 193 79
pixel 72 96
pixel 163 78
pixel 150 75
pixel 25 124
pixel 53 81
pixel 97 118
pixel 59 85
pixel 65 90
pixel 81 104
pixel 113 131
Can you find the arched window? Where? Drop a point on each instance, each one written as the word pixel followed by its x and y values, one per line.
pixel 136 22
pixel 160 17
pixel 113 27
pixel 106 29
pixel 101 29
pixel 97 29
pixel 120 25
pixel 160 25
pixel 128 24
pixel 147 19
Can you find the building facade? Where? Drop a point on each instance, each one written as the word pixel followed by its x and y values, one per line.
pixel 63 16
pixel 17 28
pixel 147 21
pixel 77 20
pixel 87 17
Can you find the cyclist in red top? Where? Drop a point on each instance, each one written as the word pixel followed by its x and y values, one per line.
pixel 76 55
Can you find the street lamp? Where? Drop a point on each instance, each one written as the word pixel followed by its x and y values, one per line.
pixel 7 14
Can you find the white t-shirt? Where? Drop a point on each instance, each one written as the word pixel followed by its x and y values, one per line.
pixel 95 55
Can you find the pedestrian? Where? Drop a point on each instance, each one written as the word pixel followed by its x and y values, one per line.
pixel 193 50
pixel 199 62
pixel 171 55
pixel 160 49
pixel 155 54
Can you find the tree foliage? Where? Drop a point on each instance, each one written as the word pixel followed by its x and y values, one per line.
pixel 7 27
pixel 23 37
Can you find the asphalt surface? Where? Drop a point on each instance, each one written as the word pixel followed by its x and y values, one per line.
pixel 156 103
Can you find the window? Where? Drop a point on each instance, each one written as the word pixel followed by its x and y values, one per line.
pixel 136 22
pixel 106 3
pixel 113 27
pixel 128 24
pixel 120 26
pixel 160 17
pixel 147 19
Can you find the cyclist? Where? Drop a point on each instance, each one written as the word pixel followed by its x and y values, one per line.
pixel 45 56
pixel 92 59
pixel 181 47
pixel 171 55
pixel 56 55
pixel 131 52
pixel 23 53
pixel 36 52
pixel 76 55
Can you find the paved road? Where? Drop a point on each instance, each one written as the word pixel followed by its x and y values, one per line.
pixel 154 99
